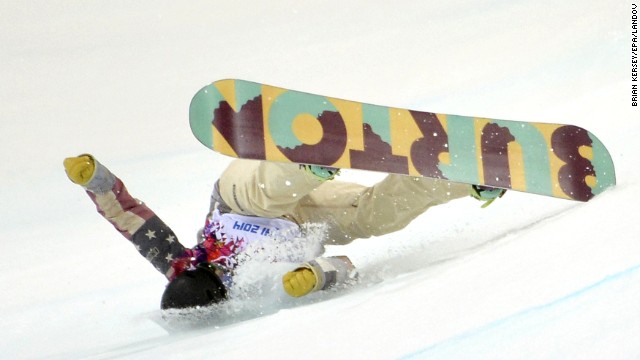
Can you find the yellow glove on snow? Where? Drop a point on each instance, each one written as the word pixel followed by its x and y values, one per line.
pixel 80 169
pixel 299 282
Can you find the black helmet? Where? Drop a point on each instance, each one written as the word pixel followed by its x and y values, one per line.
pixel 199 287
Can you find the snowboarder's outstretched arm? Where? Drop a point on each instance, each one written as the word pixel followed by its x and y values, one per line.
pixel 132 218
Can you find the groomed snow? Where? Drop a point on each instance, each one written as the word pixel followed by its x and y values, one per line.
pixel 529 277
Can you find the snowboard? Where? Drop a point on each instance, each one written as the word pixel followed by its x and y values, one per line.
pixel 249 120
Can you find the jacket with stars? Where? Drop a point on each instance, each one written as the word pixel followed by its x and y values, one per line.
pixel 151 237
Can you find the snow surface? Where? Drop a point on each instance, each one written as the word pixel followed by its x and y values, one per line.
pixel 529 277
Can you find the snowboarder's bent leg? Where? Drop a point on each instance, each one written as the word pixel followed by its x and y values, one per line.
pixel 266 189
pixel 354 211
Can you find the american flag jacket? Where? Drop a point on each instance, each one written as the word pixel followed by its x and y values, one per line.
pixel 222 239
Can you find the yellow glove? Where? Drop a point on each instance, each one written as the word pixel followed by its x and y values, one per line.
pixel 80 169
pixel 299 282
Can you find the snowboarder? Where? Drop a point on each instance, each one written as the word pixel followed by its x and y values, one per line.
pixel 252 200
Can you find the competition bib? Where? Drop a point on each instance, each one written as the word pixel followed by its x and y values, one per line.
pixel 253 228
pixel 227 235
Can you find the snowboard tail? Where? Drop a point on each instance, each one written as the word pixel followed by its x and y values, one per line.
pixel 255 121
